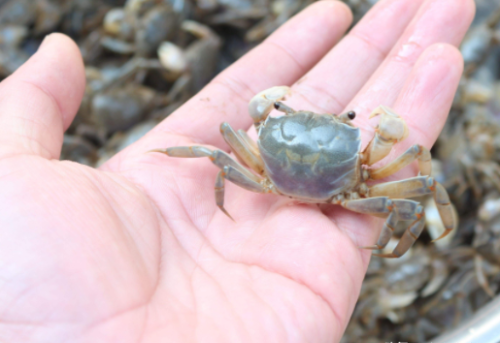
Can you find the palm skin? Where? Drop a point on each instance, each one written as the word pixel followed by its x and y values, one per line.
pixel 137 251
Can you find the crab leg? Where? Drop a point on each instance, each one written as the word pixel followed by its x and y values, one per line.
pixel 395 210
pixel 241 149
pixel 219 193
pixel 415 152
pixel 218 157
pixel 417 186
pixel 251 144
pixel 231 170
pixel 390 130
pixel 238 178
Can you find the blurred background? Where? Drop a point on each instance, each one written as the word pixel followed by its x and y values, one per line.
pixel 145 58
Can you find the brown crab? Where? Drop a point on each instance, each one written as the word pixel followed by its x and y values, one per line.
pixel 317 158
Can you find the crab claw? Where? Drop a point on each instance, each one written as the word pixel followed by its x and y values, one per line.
pixel 390 130
pixel 261 105
pixel 391 126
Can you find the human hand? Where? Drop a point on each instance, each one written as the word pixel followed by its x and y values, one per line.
pixel 138 251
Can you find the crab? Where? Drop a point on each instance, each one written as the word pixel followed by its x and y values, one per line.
pixel 317 158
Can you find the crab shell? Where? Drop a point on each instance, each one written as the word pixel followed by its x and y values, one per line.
pixel 309 156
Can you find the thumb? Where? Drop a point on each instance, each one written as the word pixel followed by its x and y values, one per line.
pixel 39 101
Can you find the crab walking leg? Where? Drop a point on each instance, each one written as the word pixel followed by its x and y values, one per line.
pixel 415 152
pixel 231 170
pixel 239 179
pixel 241 149
pixel 390 130
pixel 219 193
pixel 395 209
pixel 218 157
pixel 387 230
pixel 249 142
pixel 417 186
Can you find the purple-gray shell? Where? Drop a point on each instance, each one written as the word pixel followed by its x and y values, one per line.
pixel 310 156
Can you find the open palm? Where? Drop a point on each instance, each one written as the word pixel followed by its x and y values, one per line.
pixel 137 251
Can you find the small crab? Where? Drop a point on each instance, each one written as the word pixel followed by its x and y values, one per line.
pixel 317 158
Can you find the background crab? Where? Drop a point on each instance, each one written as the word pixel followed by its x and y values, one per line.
pixel 317 158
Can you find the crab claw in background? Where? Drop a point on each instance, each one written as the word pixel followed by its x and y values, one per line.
pixel 263 103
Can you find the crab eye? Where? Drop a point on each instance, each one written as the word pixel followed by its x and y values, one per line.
pixel 277 105
pixel 351 115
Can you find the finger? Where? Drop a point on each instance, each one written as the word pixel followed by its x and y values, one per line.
pixel 426 98
pixel 443 21
pixel 282 59
pixel 38 102
pixel 355 58
pixel 424 102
